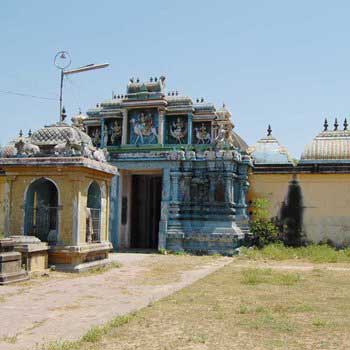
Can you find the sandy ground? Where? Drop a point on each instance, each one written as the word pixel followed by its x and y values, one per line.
pixel 65 306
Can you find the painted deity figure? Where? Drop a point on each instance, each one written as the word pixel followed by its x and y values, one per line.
pixel 224 136
pixel 96 137
pixel 116 132
pixel 178 130
pixel 202 135
pixel 144 128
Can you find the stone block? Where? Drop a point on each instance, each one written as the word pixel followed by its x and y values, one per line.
pixel 10 263
pixel 34 252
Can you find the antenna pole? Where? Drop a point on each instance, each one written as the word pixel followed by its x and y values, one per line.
pixel 61 92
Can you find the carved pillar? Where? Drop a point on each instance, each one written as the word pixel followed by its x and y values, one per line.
pixel 161 126
pixel 228 188
pixel 102 142
pixel 187 187
pixel 125 127
pixel 189 128
pixel 175 187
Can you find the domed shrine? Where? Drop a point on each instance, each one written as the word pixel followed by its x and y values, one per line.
pixel 329 145
pixel 268 150
pixel 55 185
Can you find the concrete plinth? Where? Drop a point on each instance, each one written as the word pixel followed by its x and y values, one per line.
pixel 34 252
pixel 10 263
pixel 79 258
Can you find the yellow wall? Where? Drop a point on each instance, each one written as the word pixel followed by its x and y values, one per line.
pixel 2 204
pixel 72 184
pixel 326 200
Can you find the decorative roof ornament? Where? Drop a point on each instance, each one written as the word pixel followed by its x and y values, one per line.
pixel 325 125
pixel 30 133
pixel 336 124
pixel 345 124
pixel 269 130
pixel 21 133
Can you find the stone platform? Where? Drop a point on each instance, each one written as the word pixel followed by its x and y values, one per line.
pixel 10 263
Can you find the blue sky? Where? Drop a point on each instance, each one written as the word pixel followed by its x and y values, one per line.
pixel 280 62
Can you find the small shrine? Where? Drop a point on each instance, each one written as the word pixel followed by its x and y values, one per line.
pixel 55 186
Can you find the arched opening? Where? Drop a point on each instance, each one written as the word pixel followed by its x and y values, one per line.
pixel 41 210
pixel 93 213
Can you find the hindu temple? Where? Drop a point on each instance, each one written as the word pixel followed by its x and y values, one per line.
pixel 153 169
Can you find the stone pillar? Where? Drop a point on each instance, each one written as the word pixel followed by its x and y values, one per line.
pixel 228 185
pixel 77 214
pixel 125 127
pixel 161 122
pixel 114 212
pixel 241 207
pixel 189 128
pixel 8 203
pixel 102 143
pixel 187 187
pixel 164 212
pixel 175 187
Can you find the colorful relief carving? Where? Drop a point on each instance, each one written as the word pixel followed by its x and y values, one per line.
pixel 112 132
pixel 202 132
pixel 95 133
pixel 143 127
pixel 177 130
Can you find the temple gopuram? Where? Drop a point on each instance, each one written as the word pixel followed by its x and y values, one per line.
pixel 151 169
pixel 183 171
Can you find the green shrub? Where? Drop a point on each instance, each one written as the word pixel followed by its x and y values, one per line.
pixel 262 227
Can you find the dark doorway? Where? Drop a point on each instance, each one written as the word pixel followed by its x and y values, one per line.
pixel 146 198
pixel 41 210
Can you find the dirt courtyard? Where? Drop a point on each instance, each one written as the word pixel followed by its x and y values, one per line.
pixel 65 306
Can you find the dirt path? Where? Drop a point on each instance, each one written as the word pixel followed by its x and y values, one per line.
pixel 65 307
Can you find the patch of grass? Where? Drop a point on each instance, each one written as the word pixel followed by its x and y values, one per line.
pixel 267 276
pixel 62 345
pixel 10 339
pixel 269 321
pixel 93 335
pixel 319 323
pixel 100 269
pixel 313 253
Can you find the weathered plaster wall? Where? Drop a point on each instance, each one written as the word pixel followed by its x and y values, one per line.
pixel 2 204
pixel 326 201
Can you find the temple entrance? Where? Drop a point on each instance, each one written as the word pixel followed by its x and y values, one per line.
pixel 41 210
pixel 146 198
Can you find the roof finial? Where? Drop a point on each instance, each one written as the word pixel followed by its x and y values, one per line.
pixel 269 130
pixel 325 125
pixel 223 105
pixel 345 124
pixel 30 132
pixel 20 133
pixel 336 124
